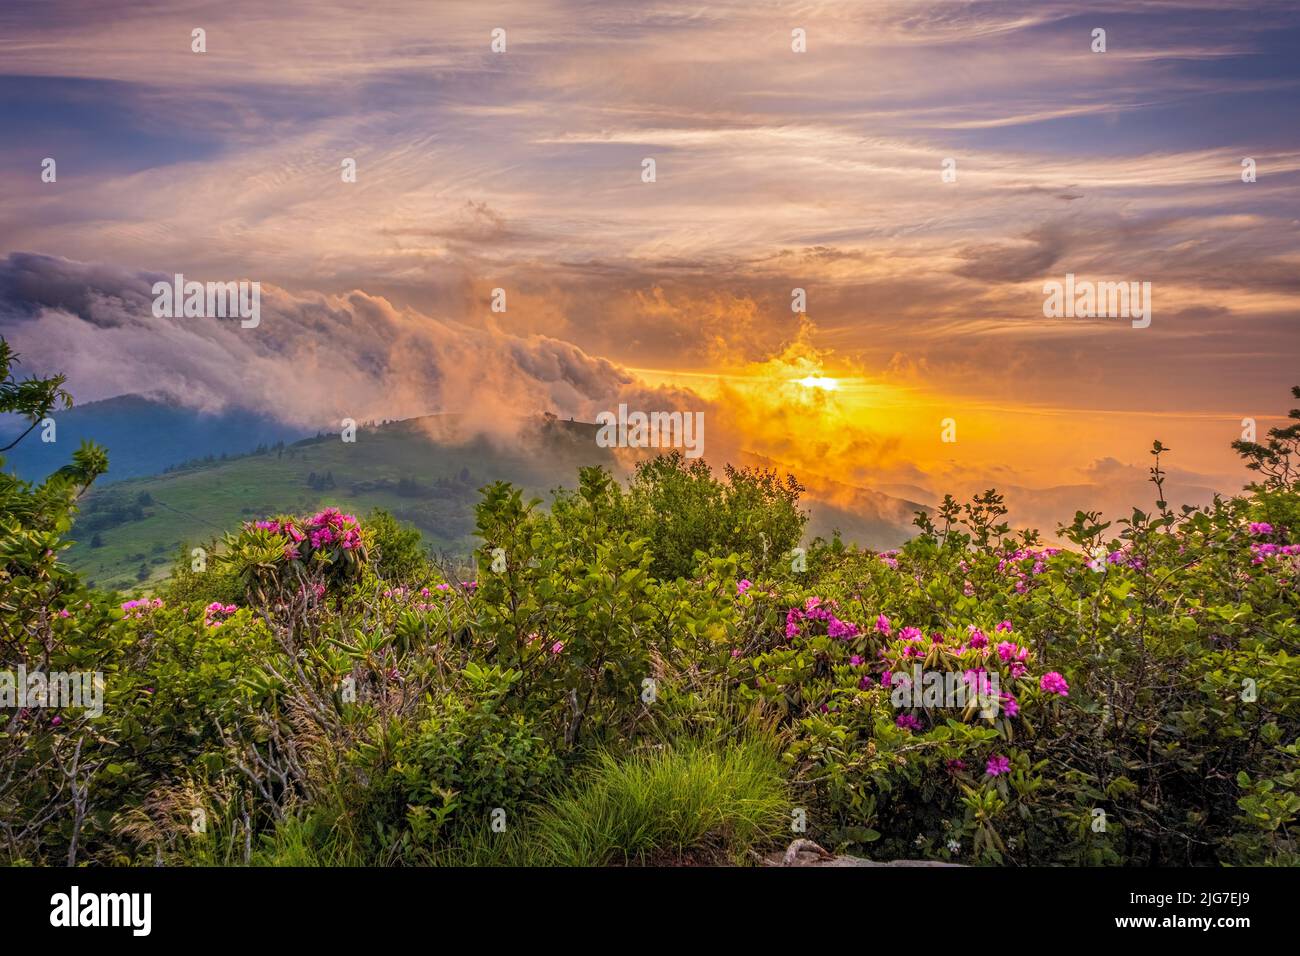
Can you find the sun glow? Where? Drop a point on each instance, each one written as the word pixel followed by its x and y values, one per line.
pixel 819 381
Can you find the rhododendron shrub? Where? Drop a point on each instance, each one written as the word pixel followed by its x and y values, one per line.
pixel 282 555
pixel 895 724
pixel 683 510
pixel 570 603
pixel 1155 687
pixel 74 783
pixel 49 621
pixel 1126 693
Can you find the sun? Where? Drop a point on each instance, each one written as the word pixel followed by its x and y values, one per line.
pixel 818 381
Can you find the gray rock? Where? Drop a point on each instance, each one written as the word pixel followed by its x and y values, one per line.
pixel 808 853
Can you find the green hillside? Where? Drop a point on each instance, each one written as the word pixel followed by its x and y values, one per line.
pixel 129 533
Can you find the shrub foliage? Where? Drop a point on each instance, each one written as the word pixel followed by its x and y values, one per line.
pixel 646 669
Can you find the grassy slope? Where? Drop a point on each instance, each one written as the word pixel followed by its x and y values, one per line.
pixel 193 506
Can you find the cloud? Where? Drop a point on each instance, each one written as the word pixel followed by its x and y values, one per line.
pixel 313 360
pixel 1013 262
pixel 775 170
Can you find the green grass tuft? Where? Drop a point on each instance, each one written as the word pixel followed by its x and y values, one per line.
pixel 688 801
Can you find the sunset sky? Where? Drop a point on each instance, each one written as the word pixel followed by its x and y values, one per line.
pixel 775 170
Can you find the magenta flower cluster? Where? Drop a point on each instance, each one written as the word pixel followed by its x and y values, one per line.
pixel 1014 562
pixel 1122 558
pixel 1054 683
pixel 997 766
pixel 1262 551
pixel 997 648
pixel 423 599
pixel 139 608
pixel 796 619
pixel 216 613
pixel 327 528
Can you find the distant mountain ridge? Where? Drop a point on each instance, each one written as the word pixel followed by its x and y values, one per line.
pixel 144 436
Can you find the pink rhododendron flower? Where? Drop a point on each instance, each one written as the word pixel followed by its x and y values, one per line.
pixel 743 585
pixel 557 647
pixel 214 612
pixel 1055 683
pixel 1261 527
pixel 841 629
pixel 907 722
pixel 138 608
pixel 815 610
pixel 1009 651
pixel 1004 626
pixel 979 678
pixel 791 624
pixel 1263 551
pixel 883 625
pixel 997 766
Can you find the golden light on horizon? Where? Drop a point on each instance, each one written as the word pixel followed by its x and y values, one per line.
pixel 819 381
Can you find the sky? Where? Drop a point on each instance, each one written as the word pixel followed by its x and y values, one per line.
pixel 774 170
